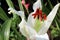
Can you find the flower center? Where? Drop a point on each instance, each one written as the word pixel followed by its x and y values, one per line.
pixel 39 14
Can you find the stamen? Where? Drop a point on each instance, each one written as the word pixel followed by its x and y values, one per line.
pixel 44 17
pixel 36 13
pixel 39 14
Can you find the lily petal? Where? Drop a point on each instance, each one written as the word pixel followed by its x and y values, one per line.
pixel 37 4
pixel 20 13
pixel 50 17
pixel 26 30
pixel 22 27
pixel 42 37
pixel 31 19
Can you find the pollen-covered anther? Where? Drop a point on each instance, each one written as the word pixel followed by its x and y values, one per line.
pixel 36 13
pixel 39 14
pixel 44 17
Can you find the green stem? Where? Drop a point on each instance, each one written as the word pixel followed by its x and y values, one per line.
pixel 27 11
pixel 20 5
pixel 10 4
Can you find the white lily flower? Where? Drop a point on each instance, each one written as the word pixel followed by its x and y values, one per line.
pixel 37 4
pixel 33 28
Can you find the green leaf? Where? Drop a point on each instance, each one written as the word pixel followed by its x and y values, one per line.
pixel 50 4
pixel 45 8
pixel 54 33
pixel 20 5
pixel 0 27
pixel 57 25
pixel 3 15
pixel 0 36
pixel 10 4
pixel 6 29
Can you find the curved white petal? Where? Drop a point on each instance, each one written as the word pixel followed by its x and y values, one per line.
pixel 20 13
pixel 41 37
pixel 49 20
pixel 11 10
pixel 37 4
pixel 22 27
pixel 31 31
pixel 22 23
pixel 31 19
pixel 26 30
